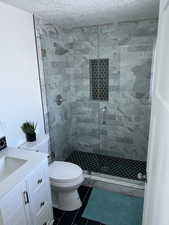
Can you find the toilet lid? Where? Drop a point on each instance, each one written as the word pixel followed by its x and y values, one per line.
pixel 64 171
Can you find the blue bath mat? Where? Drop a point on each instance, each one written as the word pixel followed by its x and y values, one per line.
pixel 112 208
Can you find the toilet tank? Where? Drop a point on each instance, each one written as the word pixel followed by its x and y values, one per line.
pixel 40 145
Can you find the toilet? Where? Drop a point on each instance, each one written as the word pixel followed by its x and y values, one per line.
pixel 65 177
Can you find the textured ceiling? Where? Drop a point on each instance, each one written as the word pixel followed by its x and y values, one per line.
pixel 88 12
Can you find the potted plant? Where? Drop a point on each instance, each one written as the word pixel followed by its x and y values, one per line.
pixel 29 129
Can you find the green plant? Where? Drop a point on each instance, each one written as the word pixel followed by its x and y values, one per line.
pixel 29 127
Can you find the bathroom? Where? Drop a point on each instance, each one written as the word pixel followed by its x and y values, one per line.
pixel 86 75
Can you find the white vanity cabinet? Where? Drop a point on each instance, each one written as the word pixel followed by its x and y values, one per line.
pixel 29 202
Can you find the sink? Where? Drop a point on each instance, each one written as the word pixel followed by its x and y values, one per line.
pixel 8 165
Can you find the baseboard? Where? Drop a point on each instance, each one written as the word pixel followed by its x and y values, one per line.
pixel 51 222
pixel 54 205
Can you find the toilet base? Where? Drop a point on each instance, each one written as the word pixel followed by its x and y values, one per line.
pixel 67 201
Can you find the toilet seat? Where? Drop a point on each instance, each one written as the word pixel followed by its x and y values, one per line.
pixel 64 172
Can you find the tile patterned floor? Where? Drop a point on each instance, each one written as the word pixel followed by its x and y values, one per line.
pixel 109 165
pixel 75 217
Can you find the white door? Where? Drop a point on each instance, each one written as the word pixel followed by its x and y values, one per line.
pixel 156 208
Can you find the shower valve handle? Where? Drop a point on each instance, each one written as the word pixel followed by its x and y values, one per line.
pixel 59 99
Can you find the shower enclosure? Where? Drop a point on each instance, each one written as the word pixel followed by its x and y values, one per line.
pixel 97 84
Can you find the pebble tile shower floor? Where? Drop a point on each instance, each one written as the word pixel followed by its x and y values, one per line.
pixel 74 217
pixel 109 165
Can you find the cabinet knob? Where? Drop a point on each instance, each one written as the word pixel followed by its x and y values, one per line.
pixel 26 197
pixel 39 181
pixel 42 204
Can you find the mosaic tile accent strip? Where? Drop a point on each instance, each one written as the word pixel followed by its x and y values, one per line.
pixel 109 165
pixel 99 79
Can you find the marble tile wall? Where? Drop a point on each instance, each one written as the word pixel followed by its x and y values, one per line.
pixel 79 123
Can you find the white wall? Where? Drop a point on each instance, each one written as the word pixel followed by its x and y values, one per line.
pixel 20 98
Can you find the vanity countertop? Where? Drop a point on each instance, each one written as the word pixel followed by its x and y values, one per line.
pixel 32 160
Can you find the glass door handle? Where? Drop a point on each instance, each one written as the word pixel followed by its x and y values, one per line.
pixel 104 110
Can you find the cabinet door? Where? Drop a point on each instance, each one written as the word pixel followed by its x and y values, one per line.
pixel 40 195
pixel 12 207
pixel 44 216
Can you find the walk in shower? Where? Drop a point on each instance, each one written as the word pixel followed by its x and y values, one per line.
pixel 97 83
